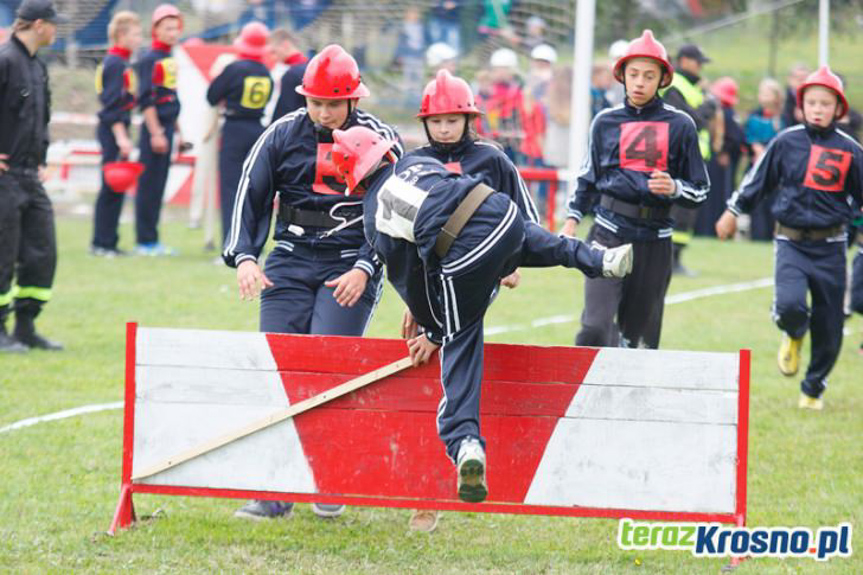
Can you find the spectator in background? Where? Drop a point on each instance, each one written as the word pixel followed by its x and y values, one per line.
pixel 555 149
pixel 288 72
pixel 444 22
pixel 503 103
pixel 762 125
pixel 494 20
pixel 410 54
pixel 441 56
pixel 542 60
pixel 600 83
pixel 791 114
pixel 534 32
pixel 722 166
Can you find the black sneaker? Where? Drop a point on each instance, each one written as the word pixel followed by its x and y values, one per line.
pixel 9 344
pixel 260 509
pixel 35 341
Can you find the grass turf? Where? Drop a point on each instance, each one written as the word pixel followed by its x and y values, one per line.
pixel 60 479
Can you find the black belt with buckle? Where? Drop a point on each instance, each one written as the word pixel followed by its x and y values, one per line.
pixel 808 234
pixel 631 210
pixel 314 218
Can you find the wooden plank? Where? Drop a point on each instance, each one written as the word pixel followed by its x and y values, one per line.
pixel 204 348
pixel 215 386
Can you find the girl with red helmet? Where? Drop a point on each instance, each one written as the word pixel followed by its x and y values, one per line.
pixel 642 159
pixel 808 171
pixel 322 277
pixel 448 111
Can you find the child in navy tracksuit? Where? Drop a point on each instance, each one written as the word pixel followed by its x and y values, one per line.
pixel 245 86
pixel 808 171
pixel 157 98
pixel 447 240
pixel 116 85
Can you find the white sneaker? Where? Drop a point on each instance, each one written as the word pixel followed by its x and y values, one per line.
pixel 328 510
pixel 471 471
pixel 617 262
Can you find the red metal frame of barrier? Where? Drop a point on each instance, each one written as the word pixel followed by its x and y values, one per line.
pixel 551 176
pixel 124 515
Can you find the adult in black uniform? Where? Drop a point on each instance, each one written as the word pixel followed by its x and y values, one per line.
pixel 245 87
pixel 28 245
pixel 642 159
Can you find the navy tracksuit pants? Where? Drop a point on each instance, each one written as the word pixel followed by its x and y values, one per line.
pixel 627 312
pixel 816 268
pixel 151 185
pixel 463 288
pixel 299 302
pixel 238 137
pixel 109 204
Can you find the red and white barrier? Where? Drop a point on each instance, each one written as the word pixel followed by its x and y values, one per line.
pixel 588 432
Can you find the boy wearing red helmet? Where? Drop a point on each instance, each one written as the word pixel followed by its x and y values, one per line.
pixel 447 240
pixel 245 87
pixel 809 171
pixel 642 159
pixel 157 98
pixel 322 276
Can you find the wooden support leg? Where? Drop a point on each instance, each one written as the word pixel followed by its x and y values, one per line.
pixel 124 516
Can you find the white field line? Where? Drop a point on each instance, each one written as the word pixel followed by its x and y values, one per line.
pixel 61 415
pixel 669 300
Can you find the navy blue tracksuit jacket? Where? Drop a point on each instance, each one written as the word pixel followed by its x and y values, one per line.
pixel 813 177
pixel 625 145
pixel 478 158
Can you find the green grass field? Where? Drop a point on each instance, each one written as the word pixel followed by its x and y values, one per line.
pixel 59 480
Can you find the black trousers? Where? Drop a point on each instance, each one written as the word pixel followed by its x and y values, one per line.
pixel 238 137
pixel 151 185
pixel 627 312
pixel 28 243
pixel 816 269
pixel 109 204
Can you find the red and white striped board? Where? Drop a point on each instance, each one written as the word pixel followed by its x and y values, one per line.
pixel 573 431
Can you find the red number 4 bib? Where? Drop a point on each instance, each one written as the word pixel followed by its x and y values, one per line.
pixel 644 146
pixel 827 169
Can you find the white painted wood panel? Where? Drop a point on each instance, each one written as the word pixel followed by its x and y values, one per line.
pixel 638 465
pixel 204 348
pixel 171 384
pixel 659 368
pixel 654 404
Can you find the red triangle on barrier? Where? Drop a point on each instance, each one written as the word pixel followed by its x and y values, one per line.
pixel 382 440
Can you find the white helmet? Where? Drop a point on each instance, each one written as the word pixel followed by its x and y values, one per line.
pixel 438 53
pixel 617 50
pixel 504 58
pixel 544 52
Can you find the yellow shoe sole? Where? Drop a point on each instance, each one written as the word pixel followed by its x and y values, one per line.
pixel 788 357
pixel 814 403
